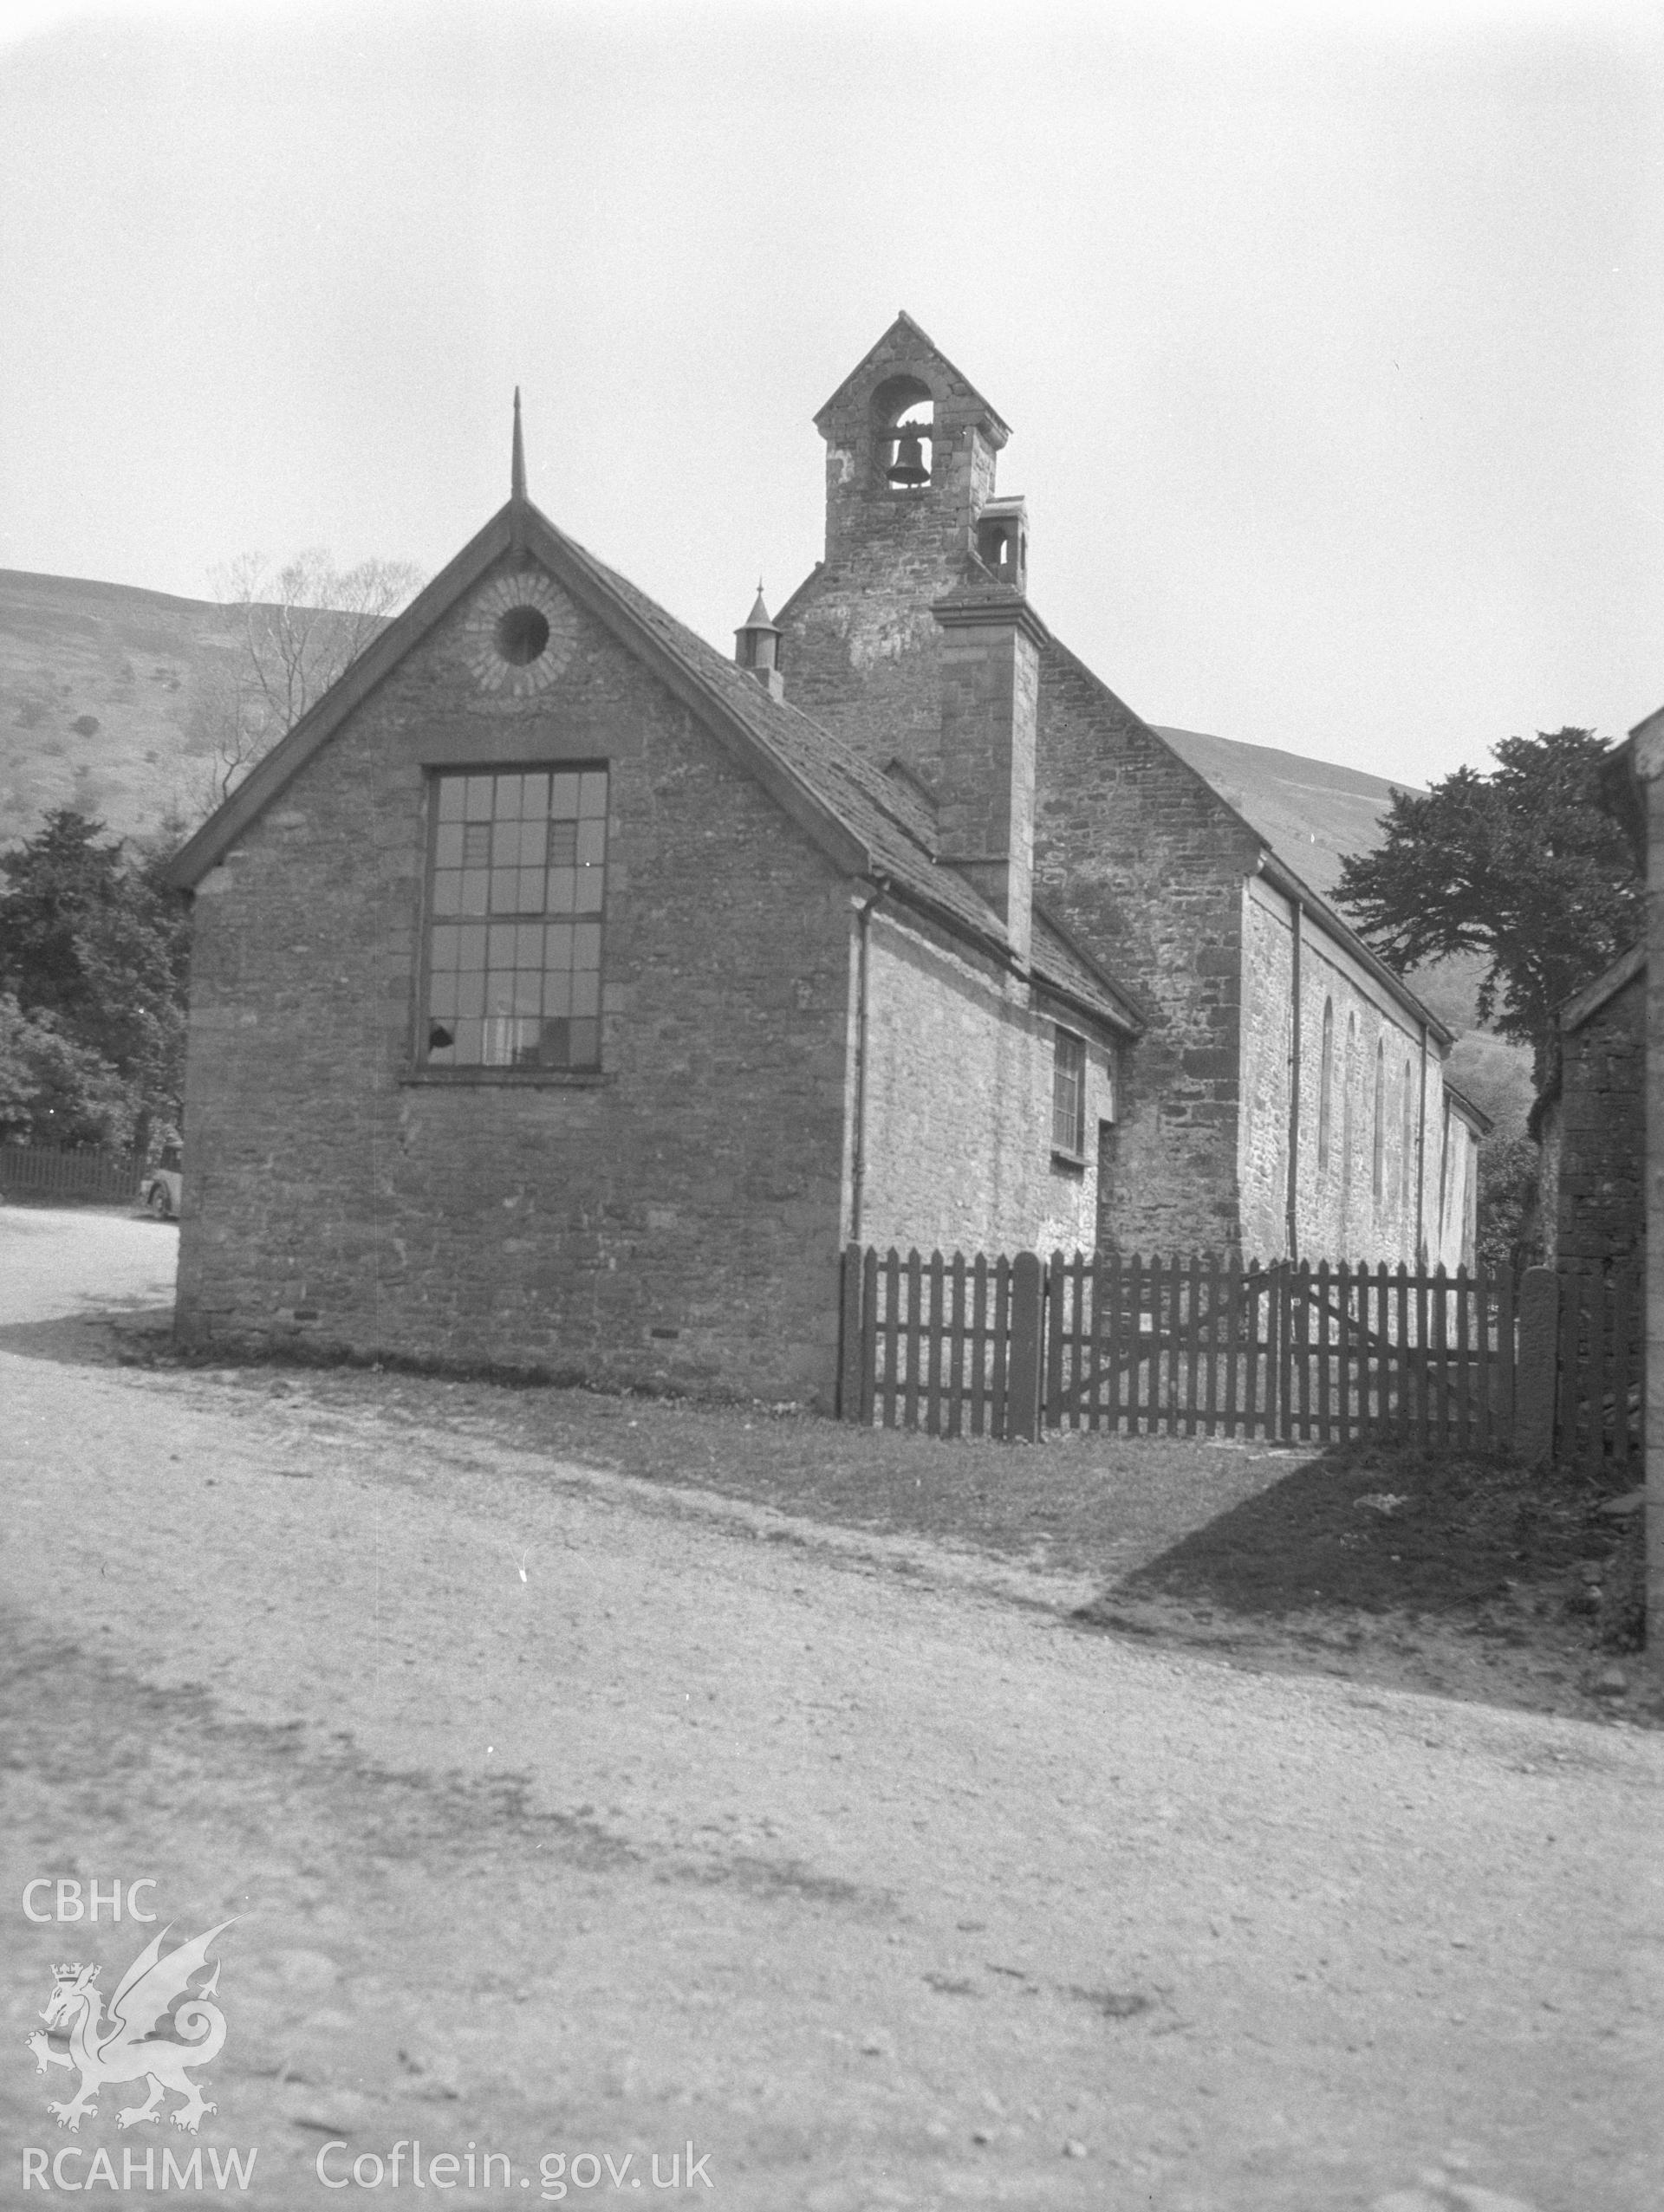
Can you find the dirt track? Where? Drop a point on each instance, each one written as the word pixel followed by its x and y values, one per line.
pixel 563 1815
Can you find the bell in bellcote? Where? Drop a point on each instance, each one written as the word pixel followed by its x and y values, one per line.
pixel 908 469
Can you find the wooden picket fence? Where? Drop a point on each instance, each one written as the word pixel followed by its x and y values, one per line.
pixel 1010 1346
pixel 88 1173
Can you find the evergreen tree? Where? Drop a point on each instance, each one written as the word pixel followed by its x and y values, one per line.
pixel 94 952
pixel 1525 866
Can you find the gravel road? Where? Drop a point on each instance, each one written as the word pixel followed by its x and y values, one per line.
pixel 571 1820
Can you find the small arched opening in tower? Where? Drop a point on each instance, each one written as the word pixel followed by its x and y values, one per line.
pixel 1002 540
pixel 904 441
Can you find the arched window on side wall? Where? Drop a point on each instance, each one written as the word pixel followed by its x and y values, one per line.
pixel 1349 1132
pixel 1407 1159
pixel 1349 1068
pixel 1378 1176
pixel 1326 1087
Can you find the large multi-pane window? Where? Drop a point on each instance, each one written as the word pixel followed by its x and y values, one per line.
pixel 1069 1095
pixel 517 880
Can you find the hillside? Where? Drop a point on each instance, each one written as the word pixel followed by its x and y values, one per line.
pixel 1311 811
pixel 101 700
pixel 104 699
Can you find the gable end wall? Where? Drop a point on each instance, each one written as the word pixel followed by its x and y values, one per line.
pixel 1144 866
pixel 678 1221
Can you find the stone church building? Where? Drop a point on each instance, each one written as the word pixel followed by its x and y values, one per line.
pixel 567 993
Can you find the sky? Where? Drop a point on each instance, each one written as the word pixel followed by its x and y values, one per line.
pixel 1329 335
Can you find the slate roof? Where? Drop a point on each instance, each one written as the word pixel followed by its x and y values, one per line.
pixel 1477 1119
pixel 1061 967
pixel 870 822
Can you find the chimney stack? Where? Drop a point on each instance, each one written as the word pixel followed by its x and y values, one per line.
pixel 983 778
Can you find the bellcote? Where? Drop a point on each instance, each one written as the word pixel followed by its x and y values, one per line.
pixel 911 447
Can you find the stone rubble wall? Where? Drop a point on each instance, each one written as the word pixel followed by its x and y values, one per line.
pixel 959 1106
pixel 1143 865
pixel 676 1220
pixel 1351 1203
pixel 1599 1201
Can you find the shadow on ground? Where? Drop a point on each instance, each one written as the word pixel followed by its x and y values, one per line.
pixel 119 1332
pixel 1475 1577
pixel 1377 1529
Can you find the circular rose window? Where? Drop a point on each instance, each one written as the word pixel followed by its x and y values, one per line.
pixel 521 630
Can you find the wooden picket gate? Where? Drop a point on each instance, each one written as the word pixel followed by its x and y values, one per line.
pixel 1008 1347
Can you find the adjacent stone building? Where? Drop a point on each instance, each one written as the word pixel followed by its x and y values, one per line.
pixel 1635 784
pixel 565 994
pixel 1591 1124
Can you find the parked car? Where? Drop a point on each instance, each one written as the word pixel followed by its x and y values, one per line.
pixel 160 1191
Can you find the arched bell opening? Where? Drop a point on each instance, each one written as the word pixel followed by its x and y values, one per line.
pixel 904 426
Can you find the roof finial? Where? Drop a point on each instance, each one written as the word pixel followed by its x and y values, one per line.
pixel 517 464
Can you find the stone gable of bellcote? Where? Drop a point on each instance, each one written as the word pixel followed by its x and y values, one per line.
pixel 910 453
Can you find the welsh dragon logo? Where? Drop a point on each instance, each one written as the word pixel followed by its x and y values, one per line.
pixel 127 2046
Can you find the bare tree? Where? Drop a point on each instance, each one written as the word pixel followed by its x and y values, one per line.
pixel 300 627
